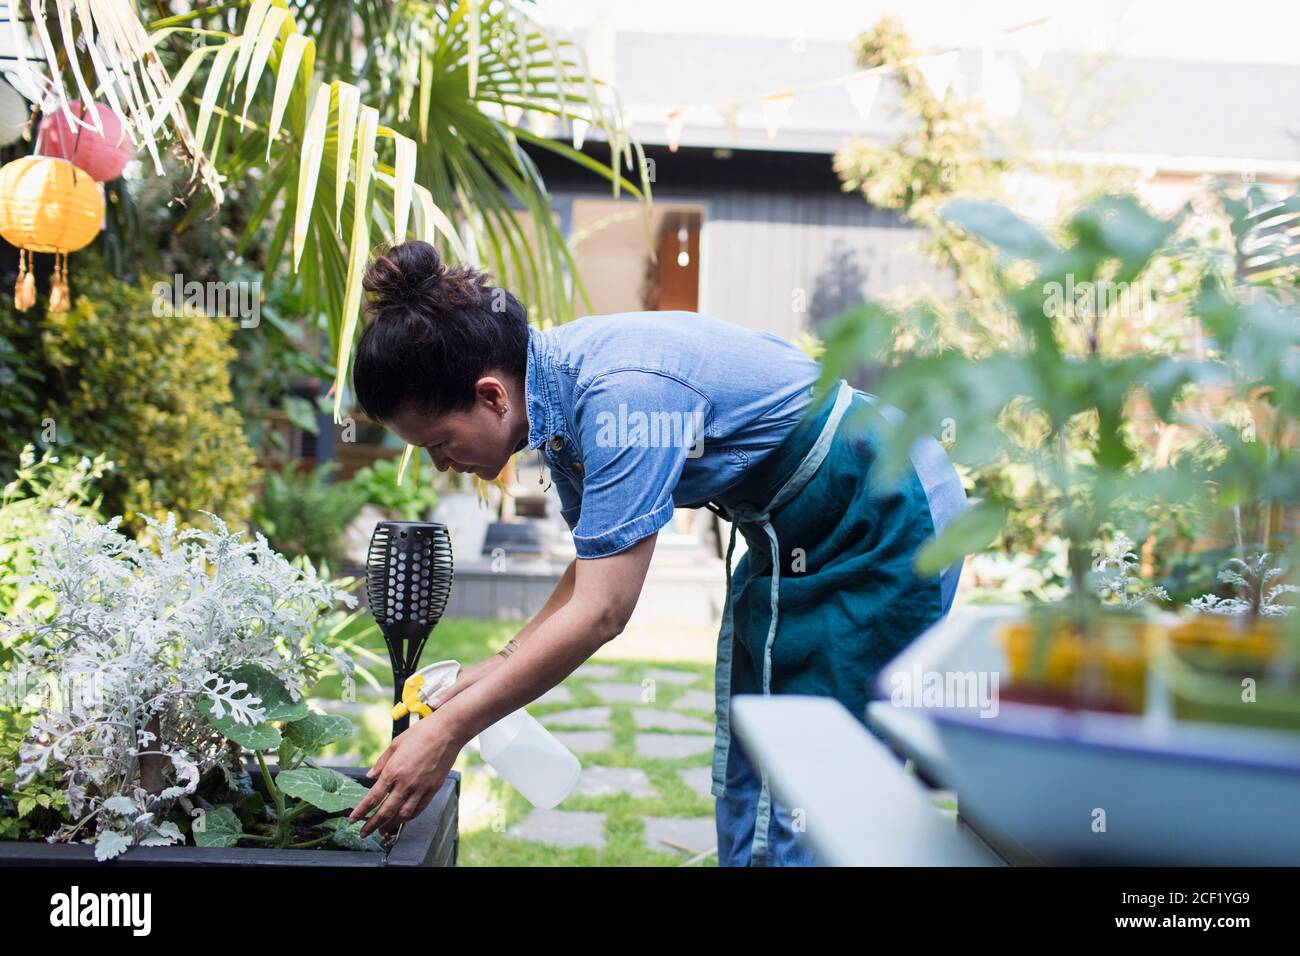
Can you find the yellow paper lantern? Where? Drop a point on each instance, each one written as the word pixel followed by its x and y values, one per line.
pixel 47 205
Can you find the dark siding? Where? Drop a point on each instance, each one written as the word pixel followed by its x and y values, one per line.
pixel 774 222
pixel 786 262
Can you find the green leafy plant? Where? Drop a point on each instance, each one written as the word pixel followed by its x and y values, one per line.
pixel 152 392
pixel 379 485
pixel 300 796
pixel 40 486
pixel 37 806
pixel 1117 568
pixel 1256 580
pixel 304 512
pixel 1055 398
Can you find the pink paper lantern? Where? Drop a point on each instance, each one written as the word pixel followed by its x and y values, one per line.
pixel 103 157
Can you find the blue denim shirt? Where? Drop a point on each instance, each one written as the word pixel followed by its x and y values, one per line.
pixel 641 412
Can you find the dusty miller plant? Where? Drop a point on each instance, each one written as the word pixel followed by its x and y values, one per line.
pixel 1255 578
pixel 1116 566
pixel 135 661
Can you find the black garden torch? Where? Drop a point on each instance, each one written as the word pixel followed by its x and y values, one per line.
pixel 408 580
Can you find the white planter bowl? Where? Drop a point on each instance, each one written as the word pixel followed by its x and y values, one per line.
pixel 1066 786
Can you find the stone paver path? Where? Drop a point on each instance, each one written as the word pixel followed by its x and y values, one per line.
pixel 699 779
pixel 595 670
pixel 669 720
pixel 562 828
pixel 644 735
pixel 696 700
pixel 686 835
pixel 619 693
pixel 672 746
pixel 579 717
pixel 556 695
pixel 672 677
pixel 585 741
pixel 609 781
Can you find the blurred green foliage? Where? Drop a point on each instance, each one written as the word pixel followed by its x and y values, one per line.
pixel 411 498
pixel 152 392
pixel 1082 431
pixel 305 512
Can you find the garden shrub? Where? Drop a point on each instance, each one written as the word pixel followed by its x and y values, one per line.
pixel 153 393
pixel 167 663
pixel 304 513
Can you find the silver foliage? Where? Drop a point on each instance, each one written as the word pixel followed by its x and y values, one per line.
pixel 136 637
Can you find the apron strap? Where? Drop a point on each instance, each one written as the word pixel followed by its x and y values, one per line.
pixel 722 686
pixel 722 675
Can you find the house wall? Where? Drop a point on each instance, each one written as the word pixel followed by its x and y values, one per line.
pixel 786 262
pixel 782 247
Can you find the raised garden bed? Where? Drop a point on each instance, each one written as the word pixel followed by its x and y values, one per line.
pixel 431 839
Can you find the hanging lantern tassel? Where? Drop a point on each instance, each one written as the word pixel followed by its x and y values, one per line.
pixel 25 287
pixel 47 205
pixel 59 300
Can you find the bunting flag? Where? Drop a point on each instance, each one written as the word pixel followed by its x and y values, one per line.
pixel 674 124
pixel 862 91
pixel 1030 43
pixel 1001 88
pixel 730 113
pixel 543 124
pixel 938 72
pixel 578 127
pixel 775 107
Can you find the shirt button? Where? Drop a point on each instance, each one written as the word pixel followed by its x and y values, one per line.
pixel 557 443
pixel 577 468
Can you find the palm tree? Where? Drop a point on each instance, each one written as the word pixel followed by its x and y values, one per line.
pixel 352 116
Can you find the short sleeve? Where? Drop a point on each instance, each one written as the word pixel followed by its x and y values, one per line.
pixel 570 499
pixel 636 430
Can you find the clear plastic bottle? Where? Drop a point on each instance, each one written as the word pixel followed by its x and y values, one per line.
pixel 528 756
pixel 517 747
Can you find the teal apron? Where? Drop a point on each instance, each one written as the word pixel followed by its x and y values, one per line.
pixel 829 568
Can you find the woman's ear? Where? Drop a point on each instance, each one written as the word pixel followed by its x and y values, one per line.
pixel 492 391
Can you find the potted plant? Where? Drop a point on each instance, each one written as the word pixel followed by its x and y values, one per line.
pixel 1082 757
pixel 1235 662
pixel 156 671
pixel 1234 659
pixel 1055 401
pixel 386 494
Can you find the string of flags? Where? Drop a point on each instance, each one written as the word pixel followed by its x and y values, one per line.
pixel 938 70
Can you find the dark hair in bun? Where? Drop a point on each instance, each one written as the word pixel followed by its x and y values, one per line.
pixel 433 331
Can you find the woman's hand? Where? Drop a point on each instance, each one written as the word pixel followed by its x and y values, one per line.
pixel 408 775
pixel 467 677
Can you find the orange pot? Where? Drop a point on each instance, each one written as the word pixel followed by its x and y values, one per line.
pixel 1104 669
pixel 1228 636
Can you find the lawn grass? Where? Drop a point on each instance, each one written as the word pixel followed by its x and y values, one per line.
pixel 490 806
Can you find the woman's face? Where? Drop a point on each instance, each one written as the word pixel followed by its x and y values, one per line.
pixel 478 440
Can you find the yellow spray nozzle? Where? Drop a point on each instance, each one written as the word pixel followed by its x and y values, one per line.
pixel 422 686
pixel 411 701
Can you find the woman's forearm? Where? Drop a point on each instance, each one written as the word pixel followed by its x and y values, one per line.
pixel 559 597
pixel 561 642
